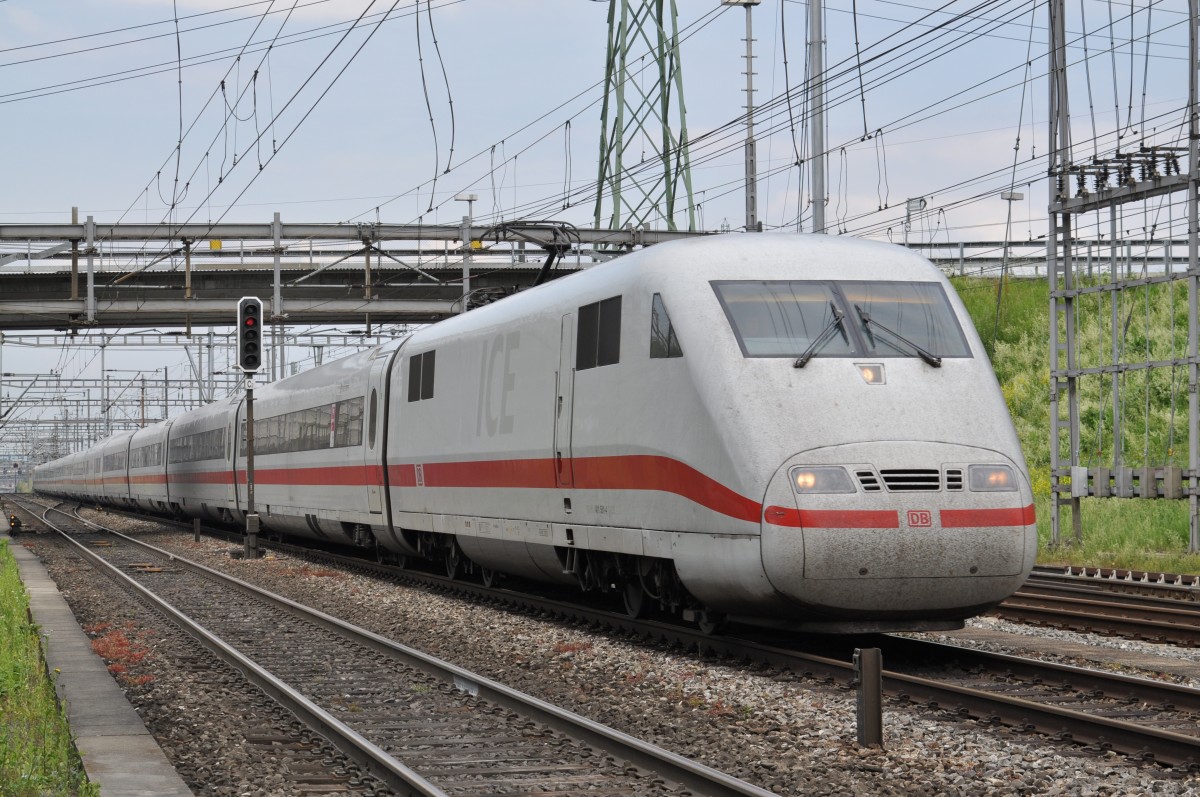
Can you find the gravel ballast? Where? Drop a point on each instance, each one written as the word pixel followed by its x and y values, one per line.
pixel 770 728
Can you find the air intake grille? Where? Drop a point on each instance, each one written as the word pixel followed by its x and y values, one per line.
pixel 954 479
pixel 868 481
pixel 908 481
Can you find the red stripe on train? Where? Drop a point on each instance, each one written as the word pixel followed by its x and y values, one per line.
pixel 976 518
pixel 634 472
pixel 342 476
pixel 850 519
pixel 833 518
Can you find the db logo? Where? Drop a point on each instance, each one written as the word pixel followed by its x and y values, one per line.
pixel 919 518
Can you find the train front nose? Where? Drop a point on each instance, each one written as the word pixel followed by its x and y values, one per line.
pixel 903 530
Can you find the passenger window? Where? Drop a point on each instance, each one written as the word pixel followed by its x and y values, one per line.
pixel 427 376
pixel 420 376
pixel 598 341
pixel 663 342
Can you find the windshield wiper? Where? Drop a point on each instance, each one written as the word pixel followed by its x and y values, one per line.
pixel 867 322
pixel 823 338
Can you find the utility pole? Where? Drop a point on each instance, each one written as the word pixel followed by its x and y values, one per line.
pixel 1193 195
pixel 467 221
pixel 751 151
pixel 816 104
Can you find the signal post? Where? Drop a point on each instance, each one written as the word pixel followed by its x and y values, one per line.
pixel 249 359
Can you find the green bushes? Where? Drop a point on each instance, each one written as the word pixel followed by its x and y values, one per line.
pixel 1151 324
pixel 37 754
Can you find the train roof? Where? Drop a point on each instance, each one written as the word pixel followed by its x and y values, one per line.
pixel 676 264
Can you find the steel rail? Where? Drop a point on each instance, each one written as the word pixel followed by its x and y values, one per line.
pixel 1076 727
pixel 1155 607
pixel 1066 724
pixel 371 758
pixel 1114 577
pixel 705 780
pixel 1113 614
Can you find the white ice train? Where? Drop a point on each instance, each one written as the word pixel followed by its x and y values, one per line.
pixel 798 431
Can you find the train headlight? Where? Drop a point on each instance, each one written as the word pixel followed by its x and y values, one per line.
pixel 822 480
pixel 992 479
pixel 872 373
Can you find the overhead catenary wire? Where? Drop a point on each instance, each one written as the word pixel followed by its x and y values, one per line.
pixel 375 203
pixel 1011 188
pixel 727 128
pixel 428 108
pixel 316 70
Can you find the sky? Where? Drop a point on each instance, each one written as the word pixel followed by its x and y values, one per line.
pixel 352 110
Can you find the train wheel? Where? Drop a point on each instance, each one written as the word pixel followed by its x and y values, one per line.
pixel 635 599
pixel 489 577
pixel 454 562
pixel 710 622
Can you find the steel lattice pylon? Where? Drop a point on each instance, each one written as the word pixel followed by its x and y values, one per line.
pixel 1107 473
pixel 644 168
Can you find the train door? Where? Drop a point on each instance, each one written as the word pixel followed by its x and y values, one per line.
pixel 564 404
pixel 376 431
pixel 237 456
pixel 371 458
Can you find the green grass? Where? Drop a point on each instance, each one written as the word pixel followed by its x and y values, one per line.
pixel 37 754
pixel 1013 320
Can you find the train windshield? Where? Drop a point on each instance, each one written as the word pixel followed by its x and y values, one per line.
pixel 782 319
pixel 881 319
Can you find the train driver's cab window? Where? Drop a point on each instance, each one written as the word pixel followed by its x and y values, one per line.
pixel 599 334
pixel 845 319
pixel 420 376
pixel 893 316
pixel 782 319
pixel 663 342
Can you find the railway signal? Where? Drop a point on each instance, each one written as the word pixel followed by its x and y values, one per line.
pixel 249 336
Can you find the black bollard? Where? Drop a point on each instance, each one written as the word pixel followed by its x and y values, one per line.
pixel 868 677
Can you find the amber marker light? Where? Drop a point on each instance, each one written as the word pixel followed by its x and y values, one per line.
pixel 872 373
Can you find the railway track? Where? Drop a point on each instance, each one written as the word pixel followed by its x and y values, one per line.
pixel 1150 607
pixel 1097 710
pixel 1153 607
pixel 402 718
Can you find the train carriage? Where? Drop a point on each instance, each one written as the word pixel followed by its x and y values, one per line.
pixel 59 478
pixel 200 462
pixel 318 463
pixel 113 487
pixel 148 468
pixel 652 425
pixel 91 485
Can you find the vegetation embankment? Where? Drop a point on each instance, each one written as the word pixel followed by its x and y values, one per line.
pixel 37 755
pixel 1151 326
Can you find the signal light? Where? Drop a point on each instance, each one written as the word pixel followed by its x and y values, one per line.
pixel 249 345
